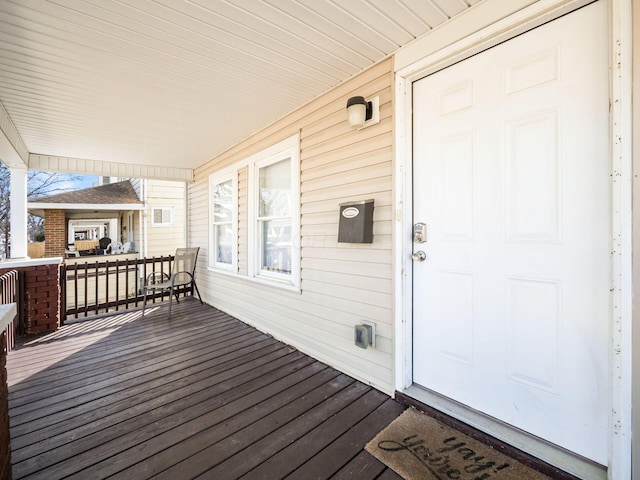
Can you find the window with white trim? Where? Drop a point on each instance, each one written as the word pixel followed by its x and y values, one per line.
pixel 224 223
pixel 162 217
pixel 274 217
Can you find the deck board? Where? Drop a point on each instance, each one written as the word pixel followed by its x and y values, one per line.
pixel 276 436
pixel 129 375
pixel 198 452
pixel 175 383
pixel 293 455
pixel 362 465
pixel 341 450
pixel 202 395
pixel 94 363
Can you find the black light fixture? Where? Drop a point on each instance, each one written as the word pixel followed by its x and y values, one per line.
pixel 359 111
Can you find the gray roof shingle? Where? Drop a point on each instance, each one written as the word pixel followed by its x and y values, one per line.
pixel 112 193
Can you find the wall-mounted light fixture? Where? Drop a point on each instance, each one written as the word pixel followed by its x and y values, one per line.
pixel 362 113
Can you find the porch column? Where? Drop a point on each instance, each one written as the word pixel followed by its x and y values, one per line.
pixel 55 233
pixel 18 198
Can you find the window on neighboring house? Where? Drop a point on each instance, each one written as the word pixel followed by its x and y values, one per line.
pixel 162 217
pixel 224 223
pixel 273 212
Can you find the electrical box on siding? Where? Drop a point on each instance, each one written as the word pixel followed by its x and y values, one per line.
pixel 356 222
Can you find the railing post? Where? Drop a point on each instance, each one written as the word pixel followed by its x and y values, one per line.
pixel 63 293
pixel 96 290
pixel 20 305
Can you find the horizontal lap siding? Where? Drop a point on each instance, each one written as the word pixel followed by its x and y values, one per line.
pixel 341 284
pixel 163 240
pixel 198 220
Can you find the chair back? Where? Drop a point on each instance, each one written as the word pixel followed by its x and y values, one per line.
pixel 185 261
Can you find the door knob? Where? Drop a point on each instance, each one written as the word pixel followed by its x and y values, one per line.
pixel 419 256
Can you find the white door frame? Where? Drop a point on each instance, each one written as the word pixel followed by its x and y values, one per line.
pixel 620 20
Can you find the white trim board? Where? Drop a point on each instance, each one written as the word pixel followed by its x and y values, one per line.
pixel 85 206
pixel 52 163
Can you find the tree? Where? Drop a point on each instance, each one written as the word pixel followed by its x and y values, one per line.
pixel 35 228
pixel 5 207
pixel 39 184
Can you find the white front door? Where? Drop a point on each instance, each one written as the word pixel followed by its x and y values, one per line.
pixel 511 177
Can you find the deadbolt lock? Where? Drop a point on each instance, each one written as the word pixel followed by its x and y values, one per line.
pixel 419 232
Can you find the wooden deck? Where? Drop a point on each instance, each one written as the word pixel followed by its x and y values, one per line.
pixel 199 396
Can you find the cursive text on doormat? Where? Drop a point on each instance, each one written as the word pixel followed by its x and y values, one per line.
pixel 419 447
pixel 439 461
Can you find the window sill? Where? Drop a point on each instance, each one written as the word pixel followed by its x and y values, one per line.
pixel 268 282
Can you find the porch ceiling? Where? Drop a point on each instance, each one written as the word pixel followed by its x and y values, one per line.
pixel 169 83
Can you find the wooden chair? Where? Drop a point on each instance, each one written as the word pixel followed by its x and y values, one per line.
pixel 183 272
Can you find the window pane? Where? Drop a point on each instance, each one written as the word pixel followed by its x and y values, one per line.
pixel 224 243
pixel 276 246
pixel 223 202
pixel 161 216
pixel 157 215
pixel 275 189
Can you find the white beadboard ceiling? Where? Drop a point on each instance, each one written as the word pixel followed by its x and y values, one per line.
pixel 171 83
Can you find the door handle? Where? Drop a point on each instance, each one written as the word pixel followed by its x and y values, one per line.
pixel 419 256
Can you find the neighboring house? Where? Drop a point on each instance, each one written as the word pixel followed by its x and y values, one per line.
pixel 163 226
pixel 146 214
pixel 499 281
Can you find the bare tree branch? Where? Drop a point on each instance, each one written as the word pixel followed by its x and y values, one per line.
pixel 39 184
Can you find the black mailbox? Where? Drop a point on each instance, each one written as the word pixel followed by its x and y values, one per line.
pixel 356 222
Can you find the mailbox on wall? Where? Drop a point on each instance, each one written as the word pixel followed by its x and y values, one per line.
pixel 356 222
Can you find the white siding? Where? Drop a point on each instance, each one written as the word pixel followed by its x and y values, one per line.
pixel 341 284
pixel 163 240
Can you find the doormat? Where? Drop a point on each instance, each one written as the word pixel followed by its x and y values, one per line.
pixel 419 447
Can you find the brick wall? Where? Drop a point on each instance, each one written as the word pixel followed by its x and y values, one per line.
pixel 42 298
pixel 5 440
pixel 55 233
pixel 41 312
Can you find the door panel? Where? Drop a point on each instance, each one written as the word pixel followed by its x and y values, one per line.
pixel 511 175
